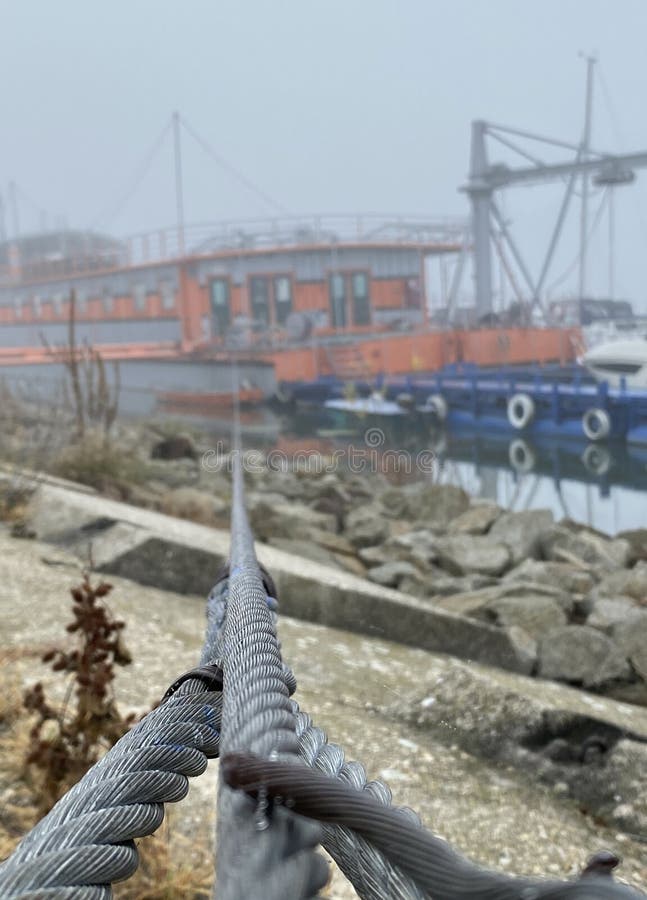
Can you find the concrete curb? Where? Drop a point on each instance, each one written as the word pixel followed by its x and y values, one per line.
pixel 158 550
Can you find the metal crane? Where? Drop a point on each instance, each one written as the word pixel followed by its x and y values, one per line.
pixel 485 178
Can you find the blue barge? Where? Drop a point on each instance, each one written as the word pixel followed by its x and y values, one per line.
pixel 562 402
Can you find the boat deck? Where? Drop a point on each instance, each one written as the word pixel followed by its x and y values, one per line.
pixel 562 399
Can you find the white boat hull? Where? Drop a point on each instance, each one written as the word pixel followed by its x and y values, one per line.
pixel 619 362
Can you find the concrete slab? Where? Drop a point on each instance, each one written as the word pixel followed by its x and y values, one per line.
pixel 498 815
pixel 159 550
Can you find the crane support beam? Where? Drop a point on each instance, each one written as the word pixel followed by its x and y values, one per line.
pixel 498 176
pixel 485 178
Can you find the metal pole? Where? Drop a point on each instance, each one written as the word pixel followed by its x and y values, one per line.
pixel 13 205
pixel 555 236
pixel 612 244
pixel 179 193
pixel 516 253
pixel 481 196
pixel 584 154
pixel 3 220
pixel 443 280
pixel 458 274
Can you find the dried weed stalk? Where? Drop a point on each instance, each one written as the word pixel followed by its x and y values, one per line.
pixel 66 741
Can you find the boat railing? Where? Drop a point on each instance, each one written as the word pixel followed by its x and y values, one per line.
pixel 244 235
pixel 605 330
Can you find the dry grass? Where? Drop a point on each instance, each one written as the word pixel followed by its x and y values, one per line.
pixel 172 865
pixel 15 494
pixel 92 462
pixel 17 801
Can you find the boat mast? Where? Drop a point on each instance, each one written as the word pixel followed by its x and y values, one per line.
pixel 179 191
pixel 3 220
pixel 13 205
pixel 584 155
pixel 612 243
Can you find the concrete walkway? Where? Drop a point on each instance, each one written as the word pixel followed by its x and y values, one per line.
pixel 497 815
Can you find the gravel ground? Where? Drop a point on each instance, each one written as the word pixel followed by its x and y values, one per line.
pixel 494 815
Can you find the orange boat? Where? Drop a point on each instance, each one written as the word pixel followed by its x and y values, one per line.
pixel 291 300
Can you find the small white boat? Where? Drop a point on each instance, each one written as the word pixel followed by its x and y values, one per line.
pixel 615 361
pixel 375 405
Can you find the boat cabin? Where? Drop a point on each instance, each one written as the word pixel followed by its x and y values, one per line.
pixel 264 284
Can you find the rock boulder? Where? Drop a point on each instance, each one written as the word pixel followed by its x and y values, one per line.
pixel 581 655
pixel 463 554
pixel 437 504
pixel 365 526
pixel 585 548
pixel 536 614
pixel 522 532
pixel 391 574
pixel 478 519
pixel 565 577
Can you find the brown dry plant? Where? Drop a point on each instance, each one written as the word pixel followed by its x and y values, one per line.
pixel 66 740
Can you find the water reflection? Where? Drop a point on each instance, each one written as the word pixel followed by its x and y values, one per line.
pixel 604 485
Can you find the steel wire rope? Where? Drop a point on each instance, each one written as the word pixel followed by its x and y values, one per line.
pixel 434 865
pixel 258 855
pixel 591 232
pixel 232 170
pixel 264 849
pixel 86 841
pixel 372 875
pixel 134 183
pixel 620 141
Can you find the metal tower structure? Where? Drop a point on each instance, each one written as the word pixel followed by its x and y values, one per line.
pixel 487 178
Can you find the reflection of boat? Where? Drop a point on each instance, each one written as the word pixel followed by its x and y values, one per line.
pixel 618 362
pixel 605 466
pixel 204 402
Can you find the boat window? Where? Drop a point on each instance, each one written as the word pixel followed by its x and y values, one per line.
pixel 619 368
pixel 361 307
pixel 260 299
pixel 337 297
pixel 167 294
pixel 57 304
pixel 81 301
pixel 139 297
pixel 108 300
pixel 220 311
pixel 282 298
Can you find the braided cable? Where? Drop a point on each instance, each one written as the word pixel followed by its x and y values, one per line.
pixel 87 840
pixel 372 875
pixel 434 865
pixel 272 752
pixel 258 856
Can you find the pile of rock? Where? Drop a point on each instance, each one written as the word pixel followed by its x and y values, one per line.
pixel 576 599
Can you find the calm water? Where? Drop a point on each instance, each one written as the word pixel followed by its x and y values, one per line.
pixel 604 486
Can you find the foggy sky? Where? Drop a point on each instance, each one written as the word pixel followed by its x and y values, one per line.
pixel 327 105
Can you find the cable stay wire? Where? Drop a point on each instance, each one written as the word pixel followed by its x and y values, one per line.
pixel 42 214
pixel 619 135
pixel 604 201
pixel 22 194
pixel 233 170
pixel 611 109
pixel 134 183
